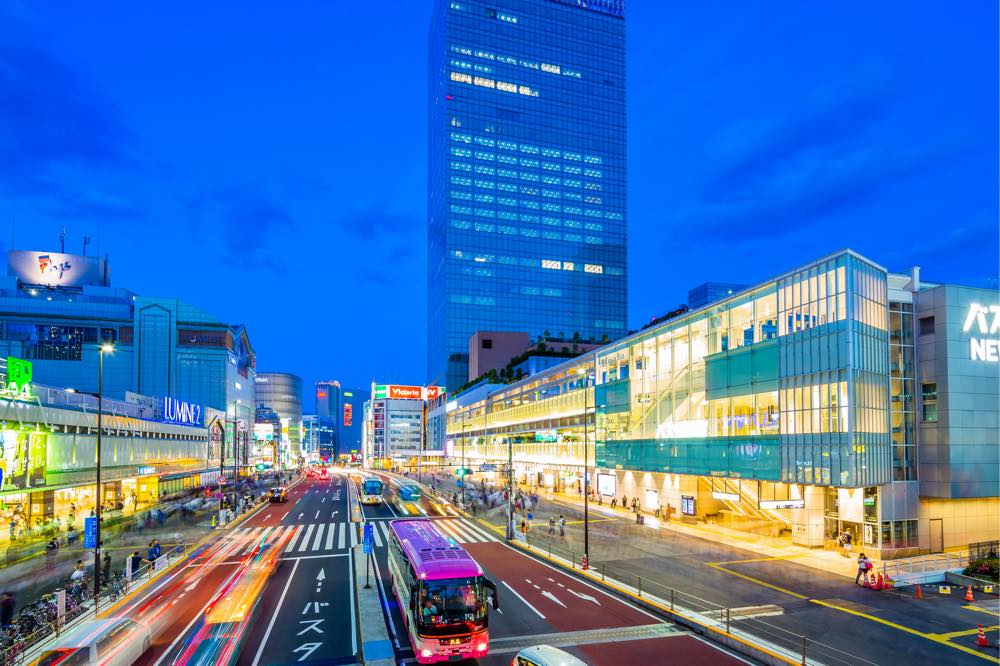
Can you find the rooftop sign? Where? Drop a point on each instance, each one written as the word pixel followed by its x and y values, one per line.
pixel 55 269
pixel 983 320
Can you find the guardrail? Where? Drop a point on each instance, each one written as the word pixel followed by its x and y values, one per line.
pixel 925 568
pixel 59 611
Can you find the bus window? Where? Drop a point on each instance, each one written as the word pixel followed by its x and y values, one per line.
pixel 452 601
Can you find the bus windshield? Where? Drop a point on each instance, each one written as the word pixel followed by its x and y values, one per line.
pixel 372 487
pixel 454 604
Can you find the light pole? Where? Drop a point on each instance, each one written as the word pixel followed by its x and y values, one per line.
pixel 586 462
pixel 104 348
pixel 464 420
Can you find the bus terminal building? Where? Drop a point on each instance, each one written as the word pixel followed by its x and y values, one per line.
pixel 835 397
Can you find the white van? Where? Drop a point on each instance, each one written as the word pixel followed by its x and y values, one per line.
pixel 115 642
pixel 545 655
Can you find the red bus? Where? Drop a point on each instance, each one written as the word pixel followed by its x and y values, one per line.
pixel 442 592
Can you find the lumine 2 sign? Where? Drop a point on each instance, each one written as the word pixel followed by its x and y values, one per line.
pixel 984 320
pixel 178 411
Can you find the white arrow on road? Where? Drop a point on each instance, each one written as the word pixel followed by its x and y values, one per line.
pixel 301 514
pixel 321 575
pixel 553 597
pixel 585 596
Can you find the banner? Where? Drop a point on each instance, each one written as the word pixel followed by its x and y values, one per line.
pixel 54 269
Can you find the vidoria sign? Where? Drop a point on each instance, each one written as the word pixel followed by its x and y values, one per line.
pixel 983 320
pixel 178 411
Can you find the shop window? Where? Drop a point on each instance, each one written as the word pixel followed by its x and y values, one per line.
pixel 928 397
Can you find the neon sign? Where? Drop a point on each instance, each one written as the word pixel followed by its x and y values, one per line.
pixel 178 411
pixel 986 320
pixel 18 377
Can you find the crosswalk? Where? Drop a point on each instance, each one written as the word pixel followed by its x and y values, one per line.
pixel 333 537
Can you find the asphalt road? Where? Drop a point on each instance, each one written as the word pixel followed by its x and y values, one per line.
pixel 858 625
pixel 306 612
pixel 542 605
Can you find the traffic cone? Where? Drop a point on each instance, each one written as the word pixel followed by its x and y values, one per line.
pixel 968 594
pixel 864 576
pixel 981 638
pixel 880 585
pixel 918 594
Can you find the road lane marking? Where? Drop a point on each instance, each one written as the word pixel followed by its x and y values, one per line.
pixel 377 536
pixel 354 536
pixel 315 557
pixel 343 535
pixel 719 567
pixel 274 616
pixel 329 536
pixel 317 515
pixel 305 540
pixel 295 537
pixel 322 499
pixel 385 529
pixel 537 612
pixel 319 537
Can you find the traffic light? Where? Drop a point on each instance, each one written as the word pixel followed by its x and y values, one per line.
pixel 462 471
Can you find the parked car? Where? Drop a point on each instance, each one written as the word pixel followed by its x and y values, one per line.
pixel 278 495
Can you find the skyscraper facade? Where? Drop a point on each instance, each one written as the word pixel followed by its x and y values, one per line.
pixel 526 184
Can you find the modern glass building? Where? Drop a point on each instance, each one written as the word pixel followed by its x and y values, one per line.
pixel 833 397
pixel 163 347
pixel 345 408
pixel 526 188
pixel 282 392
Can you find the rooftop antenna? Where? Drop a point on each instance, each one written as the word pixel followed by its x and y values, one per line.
pixel 62 241
pixel 86 242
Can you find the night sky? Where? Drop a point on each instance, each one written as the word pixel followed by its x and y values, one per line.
pixel 267 162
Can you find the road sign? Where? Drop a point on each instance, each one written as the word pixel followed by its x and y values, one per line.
pixel 487 467
pixel 90 532
pixel 369 540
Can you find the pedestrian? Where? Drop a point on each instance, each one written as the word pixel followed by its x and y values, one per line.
pixel 846 539
pixel 7 604
pixel 51 550
pixel 154 550
pixel 79 571
pixel 863 566
pixel 614 502
pixel 562 526
pixel 625 502
pixel 13 528
pixel 136 562
pixel 552 525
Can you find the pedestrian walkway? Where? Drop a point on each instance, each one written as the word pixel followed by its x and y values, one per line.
pixel 464 531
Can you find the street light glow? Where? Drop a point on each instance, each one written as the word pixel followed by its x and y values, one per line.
pixel 107 348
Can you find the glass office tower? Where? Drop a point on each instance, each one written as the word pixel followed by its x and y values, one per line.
pixel 526 187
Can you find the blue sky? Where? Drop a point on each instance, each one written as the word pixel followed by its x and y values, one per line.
pixel 268 163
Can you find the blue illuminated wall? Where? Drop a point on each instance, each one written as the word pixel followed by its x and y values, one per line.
pixel 526 190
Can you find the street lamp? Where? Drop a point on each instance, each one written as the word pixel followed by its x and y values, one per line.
pixel 586 462
pixel 464 420
pixel 105 348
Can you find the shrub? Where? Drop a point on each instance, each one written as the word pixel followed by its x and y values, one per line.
pixel 988 568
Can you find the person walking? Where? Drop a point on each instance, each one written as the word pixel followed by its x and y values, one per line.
pixel 79 571
pixel 845 540
pixel 614 502
pixel 625 502
pixel 136 560
pixel 51 550
pixel 552 525
pixel 862 568
pixel 153 552
pixel 106 568
pixel 7 605
pixel 562 526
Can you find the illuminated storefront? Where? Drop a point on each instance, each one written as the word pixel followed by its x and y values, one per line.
pixel 787 408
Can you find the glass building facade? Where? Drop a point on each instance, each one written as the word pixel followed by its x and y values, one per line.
pixel 526 188
pixel 282 392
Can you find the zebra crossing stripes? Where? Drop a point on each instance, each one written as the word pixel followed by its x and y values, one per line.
pixel 463 531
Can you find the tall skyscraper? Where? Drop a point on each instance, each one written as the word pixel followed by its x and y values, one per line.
pixel 526 186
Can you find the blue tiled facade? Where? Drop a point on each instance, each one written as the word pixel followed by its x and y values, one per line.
pixel 526 191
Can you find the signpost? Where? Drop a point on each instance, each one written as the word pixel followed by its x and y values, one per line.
pixel 90 532
pixel 368 546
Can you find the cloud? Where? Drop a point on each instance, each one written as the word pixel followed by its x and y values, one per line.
pixel 246 220
pixel 369 224
pixel 52 116
pixel 772 180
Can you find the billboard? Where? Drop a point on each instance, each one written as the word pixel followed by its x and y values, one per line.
pixel 348 414
pixel 181 412
pixel 22 459
pixel 54 269
pixel 382 391
pixel 263 432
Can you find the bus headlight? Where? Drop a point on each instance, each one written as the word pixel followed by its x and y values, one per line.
pixel 426 653
pixel 481 647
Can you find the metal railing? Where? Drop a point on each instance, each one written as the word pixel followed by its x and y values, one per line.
pixel 44 619
pixel 739 623
pixel 917 568
pixel 984 550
